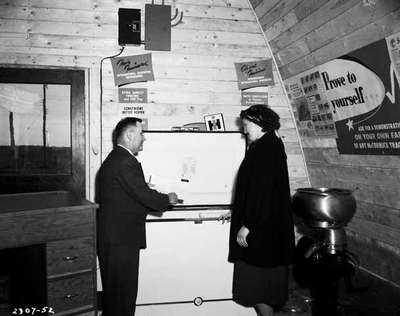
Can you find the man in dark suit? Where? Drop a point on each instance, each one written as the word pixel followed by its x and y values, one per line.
pixel 125 199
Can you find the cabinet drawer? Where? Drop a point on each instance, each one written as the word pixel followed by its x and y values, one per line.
pixel 70 255
pixel 70 293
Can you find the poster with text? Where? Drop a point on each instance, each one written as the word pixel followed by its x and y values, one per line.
pixel 393 43
pixel 310 105
pixel 355 97
pixel 251 98
pixel 319 110
pixel 254 74
pixel 362 90
pixel 132 95
pixel 300 108
pixel 129 69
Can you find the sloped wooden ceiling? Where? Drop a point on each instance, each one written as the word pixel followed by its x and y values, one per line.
pixel 304 34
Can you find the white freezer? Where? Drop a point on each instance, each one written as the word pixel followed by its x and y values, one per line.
pixel 187 261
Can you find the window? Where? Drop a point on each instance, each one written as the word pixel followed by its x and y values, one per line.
pixel 41 130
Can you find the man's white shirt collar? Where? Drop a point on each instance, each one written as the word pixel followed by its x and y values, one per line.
pixel 129 151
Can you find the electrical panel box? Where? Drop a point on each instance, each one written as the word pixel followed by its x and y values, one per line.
pixel 129 26
pixel 157 27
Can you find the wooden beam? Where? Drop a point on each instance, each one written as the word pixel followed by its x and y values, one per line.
pixel 310 16
pixel 382 215
pixel 353 19
pixel 273 22
pixel 377 30
pixel 332 156
pixel 383 233
pixel 370 253
pixel 264 7
pixel 357 174
pixel 104 6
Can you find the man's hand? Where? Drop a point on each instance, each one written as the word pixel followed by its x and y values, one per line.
pixel 242 235
pixel 225 217
pixel 173 198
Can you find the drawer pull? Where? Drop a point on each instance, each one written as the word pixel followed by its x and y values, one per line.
pixel 70 258
pixel 70 296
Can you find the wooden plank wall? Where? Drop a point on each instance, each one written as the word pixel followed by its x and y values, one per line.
pixel 197 77
pixel 304 34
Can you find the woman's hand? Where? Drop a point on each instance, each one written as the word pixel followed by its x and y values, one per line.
pixel 242 235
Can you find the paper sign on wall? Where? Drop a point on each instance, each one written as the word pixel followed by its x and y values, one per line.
pixel 254 73
pixel 133 110
pixel 301 108
pixel 214 122
pixel 132 95
pixel 251 98
pixel 320 112
pixel 129 69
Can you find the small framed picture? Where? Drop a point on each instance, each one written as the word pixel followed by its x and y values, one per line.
pixel 214 122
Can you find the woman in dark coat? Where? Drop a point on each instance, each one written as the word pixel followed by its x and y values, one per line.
pixel 261 242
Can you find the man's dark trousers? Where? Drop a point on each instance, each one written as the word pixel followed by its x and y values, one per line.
pixel 119 275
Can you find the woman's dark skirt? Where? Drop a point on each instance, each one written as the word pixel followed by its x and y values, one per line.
pixel 258 285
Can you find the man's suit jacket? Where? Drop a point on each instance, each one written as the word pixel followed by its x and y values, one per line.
pixel 125 199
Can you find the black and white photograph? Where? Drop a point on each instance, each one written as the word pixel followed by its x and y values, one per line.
pixel 200 158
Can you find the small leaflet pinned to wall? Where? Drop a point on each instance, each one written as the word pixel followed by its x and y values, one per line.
pixel 129 69
pixel 301 108
pixel 133 110
pixel 214 122
pixel 132 95
pixel 251 98
pixel 393 44
pixel 254 74
pixel 319 110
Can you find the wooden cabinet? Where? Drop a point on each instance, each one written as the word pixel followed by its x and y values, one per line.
pixel 66 226
pixel 69 255
pixel 74 293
